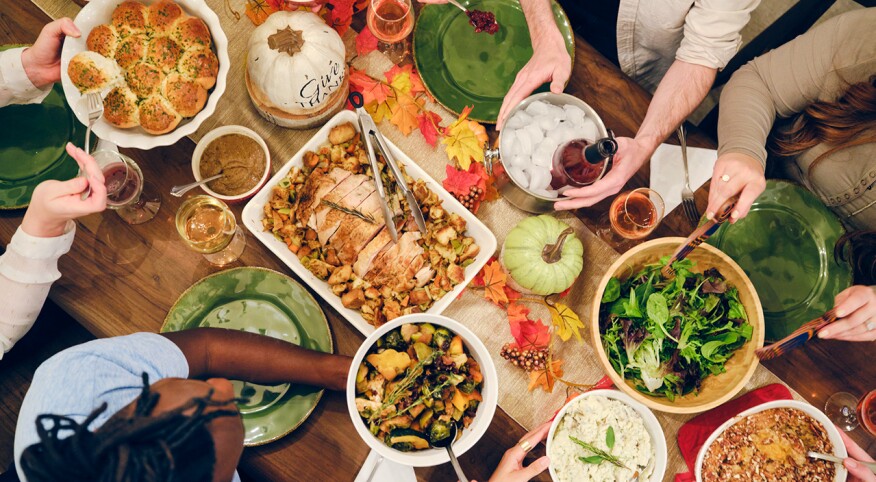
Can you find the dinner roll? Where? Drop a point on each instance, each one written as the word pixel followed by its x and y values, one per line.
pixel 157 116
pixel 103 39
pixel 192 32
pixel 200 65
pixel 164 53
pixel 129 17
pixel 163 15
pixel 131 50
pixel 91 72
pixel 120 108
pixel 144 79
pixel 186 96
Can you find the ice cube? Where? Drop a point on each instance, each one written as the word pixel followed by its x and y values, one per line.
pixel 510 142
pixel 519 120
pixel 518 175
pixel 540 178
pixel 524 143
pixel 536 135
pixel 554 111
pixel 549 143
pixel 548 193
pixel 574 112
pixel 543 155
pixel 537 108
pixel 546 123
pixel 518 161
pixel 589 130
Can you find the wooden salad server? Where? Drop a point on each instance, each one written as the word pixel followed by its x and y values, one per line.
pixel 699 235
pixel 797 338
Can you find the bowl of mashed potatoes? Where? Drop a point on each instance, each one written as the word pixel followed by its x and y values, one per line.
pixel 606 435
pixel 240 155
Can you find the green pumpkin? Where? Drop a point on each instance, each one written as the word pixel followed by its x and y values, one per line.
pixel 542 255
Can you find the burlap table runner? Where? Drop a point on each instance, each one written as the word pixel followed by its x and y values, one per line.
pixel 486 320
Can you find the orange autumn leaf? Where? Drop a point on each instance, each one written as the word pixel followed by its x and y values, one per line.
pixel 372 90
pixel 259 10
pixel 546 377
pixel 404 114
pixel 494 283
pixel 517 312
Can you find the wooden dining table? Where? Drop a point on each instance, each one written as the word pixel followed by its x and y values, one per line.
pixel 120 279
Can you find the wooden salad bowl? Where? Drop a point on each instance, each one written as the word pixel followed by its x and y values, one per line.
pixel 715 389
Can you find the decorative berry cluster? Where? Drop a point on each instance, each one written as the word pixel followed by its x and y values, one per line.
pixel 471 199
pixel 529 359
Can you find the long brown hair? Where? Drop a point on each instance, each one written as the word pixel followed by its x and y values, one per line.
pixel 846 122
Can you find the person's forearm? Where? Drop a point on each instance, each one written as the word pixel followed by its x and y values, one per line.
pixel 215 352
pixel 682 89
pixel 747 115
pixel 540 20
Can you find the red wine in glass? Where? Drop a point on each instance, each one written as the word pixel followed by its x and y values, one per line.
pixel 122 184
pixel 580 163
pixel 867 412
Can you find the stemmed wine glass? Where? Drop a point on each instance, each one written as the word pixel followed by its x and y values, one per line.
pixel 848 411
pixel 633 215
pixel 209 227
pixel 133 200
pixel 391 21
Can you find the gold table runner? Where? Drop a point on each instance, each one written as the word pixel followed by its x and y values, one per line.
pixel 487 321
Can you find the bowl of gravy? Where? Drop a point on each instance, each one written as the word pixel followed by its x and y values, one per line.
pixel 239 154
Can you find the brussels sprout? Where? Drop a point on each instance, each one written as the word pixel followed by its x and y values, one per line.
pixel 441 339
pixel 394 340
pixel 467 386
pixel 439 430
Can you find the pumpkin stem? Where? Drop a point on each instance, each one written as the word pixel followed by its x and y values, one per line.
pixel 552 252
pixel 287 40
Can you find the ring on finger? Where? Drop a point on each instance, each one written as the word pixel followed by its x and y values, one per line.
pixel 725 178
pixel 870 325
pixel 525 445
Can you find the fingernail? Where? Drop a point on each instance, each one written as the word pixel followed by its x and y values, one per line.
pixel 851 463
pixel 840 313
pixel 823 333
pixel 710 215
pixel 544 462
pixel 734 214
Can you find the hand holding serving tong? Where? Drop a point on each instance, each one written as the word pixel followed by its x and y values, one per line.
pixel 371 135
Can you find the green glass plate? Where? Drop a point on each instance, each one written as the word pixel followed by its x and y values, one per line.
pixel 32 140
pixel 263 301
pixel 785 245
pixel 462 68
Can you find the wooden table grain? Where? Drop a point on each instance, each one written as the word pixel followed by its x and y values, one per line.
pixel 119 279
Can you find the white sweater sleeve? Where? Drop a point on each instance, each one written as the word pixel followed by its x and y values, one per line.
pixel 15 87
pixel 27 270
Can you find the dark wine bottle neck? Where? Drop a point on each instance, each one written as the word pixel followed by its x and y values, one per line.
pixel 600 150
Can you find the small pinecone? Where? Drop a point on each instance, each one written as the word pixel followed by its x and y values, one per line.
pixel 528 359
pixel 469 200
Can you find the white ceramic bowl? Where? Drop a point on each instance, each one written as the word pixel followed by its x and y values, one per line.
pixel 839 449
pixel 486 409
pixel 215 134
pixel 658 439
pixel 254 212
pixel 97 12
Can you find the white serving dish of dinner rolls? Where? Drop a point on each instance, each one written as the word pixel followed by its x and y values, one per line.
pixel 167 118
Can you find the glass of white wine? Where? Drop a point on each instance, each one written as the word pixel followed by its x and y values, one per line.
pixel 209 227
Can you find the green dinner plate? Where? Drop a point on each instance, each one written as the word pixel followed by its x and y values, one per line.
pixel 462 68
pixel 32 140
pixel 785 245
pixel 263 301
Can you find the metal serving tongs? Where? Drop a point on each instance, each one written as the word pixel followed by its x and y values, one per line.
pixel 370 135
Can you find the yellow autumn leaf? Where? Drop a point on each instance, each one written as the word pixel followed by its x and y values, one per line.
pixel 381 110
pixel 465 141
pixel 566 321
pixel 402 83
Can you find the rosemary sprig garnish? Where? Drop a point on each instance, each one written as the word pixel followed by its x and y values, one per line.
pixel 352 212
pixel 422 399
pixel 403 385
pixel 599 454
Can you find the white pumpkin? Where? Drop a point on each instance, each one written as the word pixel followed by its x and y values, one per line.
pixel 296 71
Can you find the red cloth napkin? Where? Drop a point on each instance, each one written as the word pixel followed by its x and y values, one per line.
pixel 693 434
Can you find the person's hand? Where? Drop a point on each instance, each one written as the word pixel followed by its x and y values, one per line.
pixel 55 202
pixel 856 315
pixel 857 472
pixel 42 60
pixel 550 62
pixel 744 176
pixel 511 467
pixel 631 155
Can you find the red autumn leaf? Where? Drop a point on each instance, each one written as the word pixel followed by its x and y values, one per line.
pixel 546 377
pixel 494 282
pixel 530 334
pixel 511 293
pixel 372 90
pixel 428 122
pixel 366 41
pixel 339 14
pixel 490 192
pixel 517 312
pixel 459 182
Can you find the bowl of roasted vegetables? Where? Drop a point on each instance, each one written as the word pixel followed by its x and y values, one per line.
pixel 412 380
pixel 683 344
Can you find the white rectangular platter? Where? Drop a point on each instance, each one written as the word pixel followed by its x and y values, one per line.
pixel 253 214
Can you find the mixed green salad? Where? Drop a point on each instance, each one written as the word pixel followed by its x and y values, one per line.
pixel 668 335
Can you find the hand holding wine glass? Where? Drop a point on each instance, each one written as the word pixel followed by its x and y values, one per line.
pixel 54 203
